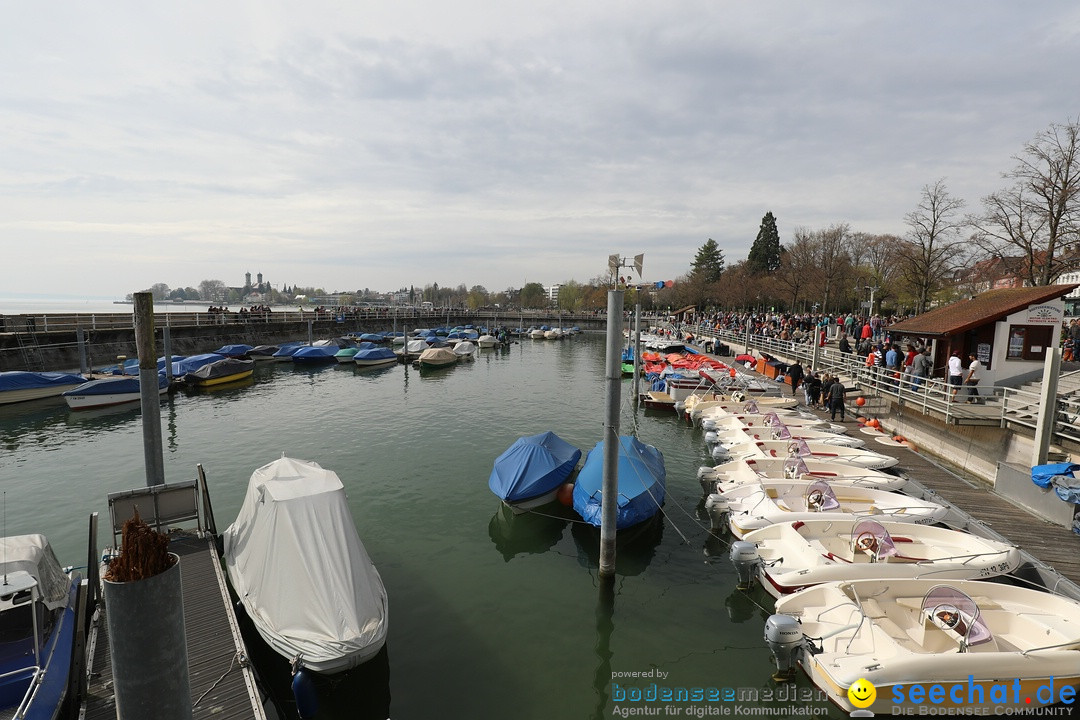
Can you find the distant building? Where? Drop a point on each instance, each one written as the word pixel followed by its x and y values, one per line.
pixel 552 292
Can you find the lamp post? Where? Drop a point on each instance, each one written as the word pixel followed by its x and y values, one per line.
pixel 861 284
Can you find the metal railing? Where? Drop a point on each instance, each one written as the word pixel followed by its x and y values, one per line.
pixel 1006 406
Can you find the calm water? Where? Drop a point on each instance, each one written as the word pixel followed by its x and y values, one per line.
pixel 491 616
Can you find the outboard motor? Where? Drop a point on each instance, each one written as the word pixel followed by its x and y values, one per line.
pixel 711 437
pixel 744 556
pixel 708 424
pixel 784 637
pixel 717 507
pixel 706 471
pixel 720 454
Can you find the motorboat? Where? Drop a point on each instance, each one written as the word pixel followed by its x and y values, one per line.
pixel 725 476
pixel 263 353
pixel 806 449
pixel 641 478
pixel 375 357
pixel 750 506
pixel 220 372
pixel 437 357
pixel 346 355
pixel 286 352
pixel 38 608
pixel 486 342
pixel 536 334
pixel 106 392
pixel 412 349
pixel 190 364
pixel 956 647
pixel 787 557
pixel 20 386
pixel 312 354
pixel 237 350
pixel 737 433
pixel 465 350
pixel 295 530
pixel 717 419
pixel 735 402
pixel 530 472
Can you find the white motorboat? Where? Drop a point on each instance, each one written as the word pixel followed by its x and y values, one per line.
pixel 486 342
pixel 907 646
pixel 735 402
pixel 737 434
pixel 750 506
pixel 106 392
pixel 787 557
pixel 806 449
pixel 717 419
pixel 536 334
pixel 725 476
pixel 300 570
pixel 465 350
pixel 21 386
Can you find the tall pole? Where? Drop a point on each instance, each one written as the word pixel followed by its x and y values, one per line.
pixel 610 482
pixel 148 389
pixel 637 351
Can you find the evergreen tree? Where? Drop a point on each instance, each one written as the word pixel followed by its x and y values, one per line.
pixel 708 264
pixel 764 255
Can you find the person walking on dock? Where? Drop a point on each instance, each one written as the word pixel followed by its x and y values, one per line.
pixel 795 376
pixel 956 374
pixel 971 380
pixel 835 398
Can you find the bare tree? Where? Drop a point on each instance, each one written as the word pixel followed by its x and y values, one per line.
pixel 799 264
pixel 933 243
pixel 833 258
pixel 1039 216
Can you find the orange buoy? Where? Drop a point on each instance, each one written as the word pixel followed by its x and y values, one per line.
pixel 898 438
pixel 860 401
pixel 566 494
pixel 732 372
pixel 873 422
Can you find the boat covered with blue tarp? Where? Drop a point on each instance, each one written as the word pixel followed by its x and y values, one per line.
pixel 533 467
pixel 641 483
pixel 192 363
pixel 20 385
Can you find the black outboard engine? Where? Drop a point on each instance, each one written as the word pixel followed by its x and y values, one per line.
pixel 784 638
pixel 744 556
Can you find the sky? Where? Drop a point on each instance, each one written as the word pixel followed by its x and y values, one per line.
pixel 381 145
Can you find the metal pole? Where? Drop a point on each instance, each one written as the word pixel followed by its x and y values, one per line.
pixel 148 389
pixel 166 341
pixel 610 484
pixel 310 332
pixel 80 338
pixel 637 351
pixel 1044 424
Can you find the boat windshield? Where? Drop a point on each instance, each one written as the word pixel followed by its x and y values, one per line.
pixel 799 448
pixel 780 430
pixel 871 537
pixel 952 610
pixel 751 407
pixel 794 467
pixel 820 497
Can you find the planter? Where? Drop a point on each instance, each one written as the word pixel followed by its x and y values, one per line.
pixel 148 646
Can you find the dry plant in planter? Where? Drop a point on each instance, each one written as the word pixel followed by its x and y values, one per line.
pixel 144 553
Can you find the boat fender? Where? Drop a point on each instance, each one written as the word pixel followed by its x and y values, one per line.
pixel 565 494
pixel 303 687
pixel 783 637
pixel 744 556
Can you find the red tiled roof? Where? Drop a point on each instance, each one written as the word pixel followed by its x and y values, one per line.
pixel 988 307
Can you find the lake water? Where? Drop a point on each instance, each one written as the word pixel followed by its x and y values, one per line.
pixel 491 616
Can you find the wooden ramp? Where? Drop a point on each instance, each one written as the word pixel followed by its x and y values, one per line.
pixel 221 678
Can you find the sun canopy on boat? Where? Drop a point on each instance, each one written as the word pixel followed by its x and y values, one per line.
pixel 532 466
pixel 300 569
pixel 20 380
pixel 33 554
pixel 641 478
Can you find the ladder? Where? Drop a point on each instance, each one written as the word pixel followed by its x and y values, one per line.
pixel 30 351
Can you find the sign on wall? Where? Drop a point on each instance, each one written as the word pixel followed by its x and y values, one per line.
pixel 1044 314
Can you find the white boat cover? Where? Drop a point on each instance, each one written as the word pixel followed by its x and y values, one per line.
pixel 33 554
pixel 296 562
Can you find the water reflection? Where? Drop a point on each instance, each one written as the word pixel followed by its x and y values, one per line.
pixel 634 547
pixel 527 533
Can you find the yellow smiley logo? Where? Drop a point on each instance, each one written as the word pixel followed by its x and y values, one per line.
pixel 862 693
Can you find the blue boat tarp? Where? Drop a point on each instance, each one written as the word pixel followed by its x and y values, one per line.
pixel 641 478
pixel 21 380
pixel 234 350
pixel 287 351
pixel 193 363
pixel 532 466
pixel 114 386
pixel 375 353
pixel 315 353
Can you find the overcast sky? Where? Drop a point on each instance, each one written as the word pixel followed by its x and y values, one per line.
pixel 346 145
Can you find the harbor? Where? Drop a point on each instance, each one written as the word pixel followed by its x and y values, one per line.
pixel 517 595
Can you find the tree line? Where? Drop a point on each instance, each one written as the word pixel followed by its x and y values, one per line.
pixel 1029 230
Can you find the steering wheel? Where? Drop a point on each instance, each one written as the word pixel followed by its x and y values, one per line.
pixel 815 499
pixel 866 541
pixel 793 448
pixel 738 396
